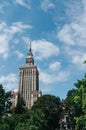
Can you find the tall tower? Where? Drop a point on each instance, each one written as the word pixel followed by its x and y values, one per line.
pixel 29 81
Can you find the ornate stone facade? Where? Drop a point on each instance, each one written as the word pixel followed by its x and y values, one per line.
pixel 29 81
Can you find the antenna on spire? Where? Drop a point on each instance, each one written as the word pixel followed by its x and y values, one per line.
pixel 30 46
pixel 29 58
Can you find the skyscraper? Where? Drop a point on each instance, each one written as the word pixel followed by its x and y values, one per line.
pixel 29 81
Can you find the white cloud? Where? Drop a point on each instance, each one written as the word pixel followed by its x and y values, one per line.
pixel 73 34
pixel 79 60
pixel 24 3
pixel 47 78
pixel 19 54
pixel 55 66
pixel 46 90
pixel 7 33
pixel 47 4
pixel 17 27
pixel 4 46
pixel 76 56
pixel 43 48
pixel 10 82
pixel 65 36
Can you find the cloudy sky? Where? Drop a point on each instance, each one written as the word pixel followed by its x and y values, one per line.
pixel 57 30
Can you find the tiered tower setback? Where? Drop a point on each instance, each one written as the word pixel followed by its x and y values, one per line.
pixel 29 81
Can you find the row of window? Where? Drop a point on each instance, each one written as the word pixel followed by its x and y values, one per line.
pixel 28 72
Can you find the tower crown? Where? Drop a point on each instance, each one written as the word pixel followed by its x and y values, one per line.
pixel 29 59
pixel 29 81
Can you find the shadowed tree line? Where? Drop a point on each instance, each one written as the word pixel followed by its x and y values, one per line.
pixel 47 111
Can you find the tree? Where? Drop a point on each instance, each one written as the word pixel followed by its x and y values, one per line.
pixel 37 120
pixel 15 120
pixel 2 100
pixel 20 108
pixel 80 100
pixel 76 104
pixel 4 127
pixel 21 126
pixel 12 121
pixel 33 127
pixel 51 107
pixel 81 123
pixel 69 108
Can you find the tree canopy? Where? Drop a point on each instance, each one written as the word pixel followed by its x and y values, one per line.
pixel 77 108
pixel 46 111
pixel 20 107
pixel 4 100
pixel 51 107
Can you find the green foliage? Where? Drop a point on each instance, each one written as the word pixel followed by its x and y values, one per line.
pixel 44 115
pixel 20 108
pixel 81 95
pixel 37 119
pixel 2 92
pixel 77 108
pixel 2 100
pixel 46 112
pixel 15 120
pixel 21 126
pixel 4 127
pixel 32 127
pixel 81 123
pixel 70 109
pixel 51 107
pixel 12 121
pixel 81 120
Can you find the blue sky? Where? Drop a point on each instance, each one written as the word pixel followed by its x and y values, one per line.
pixel 57 30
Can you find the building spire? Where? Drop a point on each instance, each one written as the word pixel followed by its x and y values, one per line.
pixel 29 58
pixel 30 47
